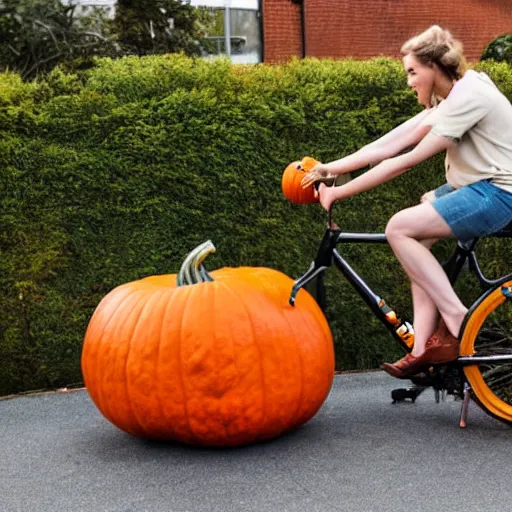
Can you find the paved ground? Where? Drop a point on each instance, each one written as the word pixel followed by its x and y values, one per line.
pixel 359 454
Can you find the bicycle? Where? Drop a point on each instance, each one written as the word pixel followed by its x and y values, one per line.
pixel 483 370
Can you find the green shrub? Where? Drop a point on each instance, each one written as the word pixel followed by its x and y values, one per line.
pixel 499 50
pixel 116 174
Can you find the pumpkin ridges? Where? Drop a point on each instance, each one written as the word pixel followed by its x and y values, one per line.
pixel 91 350
pixel 95 387
pixel 320 317
pixel 265 433
pixel 272 283
pixel 211 407
pixel 189 391
pixel 171 389
pixel 159 355
pixel 279 398
pixel 204 372
pixel 163 368
pixel 240 374
pixel 307 314
pixel 251 436
pixel 126 367
pixel 264 398
pixel 140 364
pixel 218 361
pixel 112 380
pixel 284 314
pixel 186 301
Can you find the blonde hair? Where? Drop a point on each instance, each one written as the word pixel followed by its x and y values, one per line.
pixel 437 46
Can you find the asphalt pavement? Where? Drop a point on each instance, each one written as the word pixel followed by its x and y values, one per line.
pixel 360 453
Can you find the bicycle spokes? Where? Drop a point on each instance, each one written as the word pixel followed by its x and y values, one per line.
pixel 487 341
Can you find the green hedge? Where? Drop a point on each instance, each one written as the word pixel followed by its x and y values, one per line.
pixel 116 174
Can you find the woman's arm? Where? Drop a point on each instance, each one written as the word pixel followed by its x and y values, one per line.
pixel 390 168
pixel 398 132
pixel 402 137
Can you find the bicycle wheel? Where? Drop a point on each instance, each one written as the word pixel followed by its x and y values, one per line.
pixel 488 331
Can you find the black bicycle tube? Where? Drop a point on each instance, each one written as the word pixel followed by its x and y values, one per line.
pixel 454 265
pixel 365 292
pixel 356 281
pixel 364 238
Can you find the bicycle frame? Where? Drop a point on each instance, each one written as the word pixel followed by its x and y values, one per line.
pixel 400 329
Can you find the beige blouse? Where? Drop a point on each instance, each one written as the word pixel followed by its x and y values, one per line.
pixel 479 117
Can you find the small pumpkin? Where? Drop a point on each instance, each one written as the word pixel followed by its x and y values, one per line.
pixel 216 359
pixel 290 182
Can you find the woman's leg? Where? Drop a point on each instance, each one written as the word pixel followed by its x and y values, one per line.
pixel 425 312
pixel 404 232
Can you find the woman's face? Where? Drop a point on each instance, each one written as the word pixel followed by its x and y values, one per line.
pixel 421 78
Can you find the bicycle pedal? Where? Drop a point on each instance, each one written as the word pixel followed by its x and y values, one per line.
pixel 403 394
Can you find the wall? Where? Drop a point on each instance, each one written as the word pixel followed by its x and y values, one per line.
pixel 282 30
pixel 367 28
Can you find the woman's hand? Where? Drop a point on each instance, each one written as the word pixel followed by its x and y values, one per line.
pixel 318 173
pixel 327 195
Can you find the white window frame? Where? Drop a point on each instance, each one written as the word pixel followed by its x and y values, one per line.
pixel 252 5
pixel 91 3
pixel 227 5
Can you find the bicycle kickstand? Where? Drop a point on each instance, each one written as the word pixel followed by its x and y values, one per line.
pixel 465 406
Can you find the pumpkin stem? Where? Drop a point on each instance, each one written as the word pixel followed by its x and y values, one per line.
pixel 192 270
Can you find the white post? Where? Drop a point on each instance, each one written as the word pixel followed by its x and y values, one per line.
pixel 227 27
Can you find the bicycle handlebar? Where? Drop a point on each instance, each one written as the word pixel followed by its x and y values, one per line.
pixel 330 223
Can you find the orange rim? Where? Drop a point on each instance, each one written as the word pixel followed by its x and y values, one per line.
pixel 481 390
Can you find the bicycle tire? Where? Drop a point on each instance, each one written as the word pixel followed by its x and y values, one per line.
pixel 488 330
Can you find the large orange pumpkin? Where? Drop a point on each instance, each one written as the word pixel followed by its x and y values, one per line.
pixel 290 182
pixel 216 359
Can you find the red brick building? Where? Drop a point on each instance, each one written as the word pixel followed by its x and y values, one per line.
pixel 368 28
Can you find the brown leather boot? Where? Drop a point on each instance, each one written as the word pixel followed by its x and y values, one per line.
pixel 405 367
pixel 441 347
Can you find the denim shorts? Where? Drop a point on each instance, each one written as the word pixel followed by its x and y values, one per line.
pixel 475 210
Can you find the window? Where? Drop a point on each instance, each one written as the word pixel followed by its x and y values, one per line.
pixel 237 29
pixel 88 6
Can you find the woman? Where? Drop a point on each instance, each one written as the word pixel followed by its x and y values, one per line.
pixel 468 117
